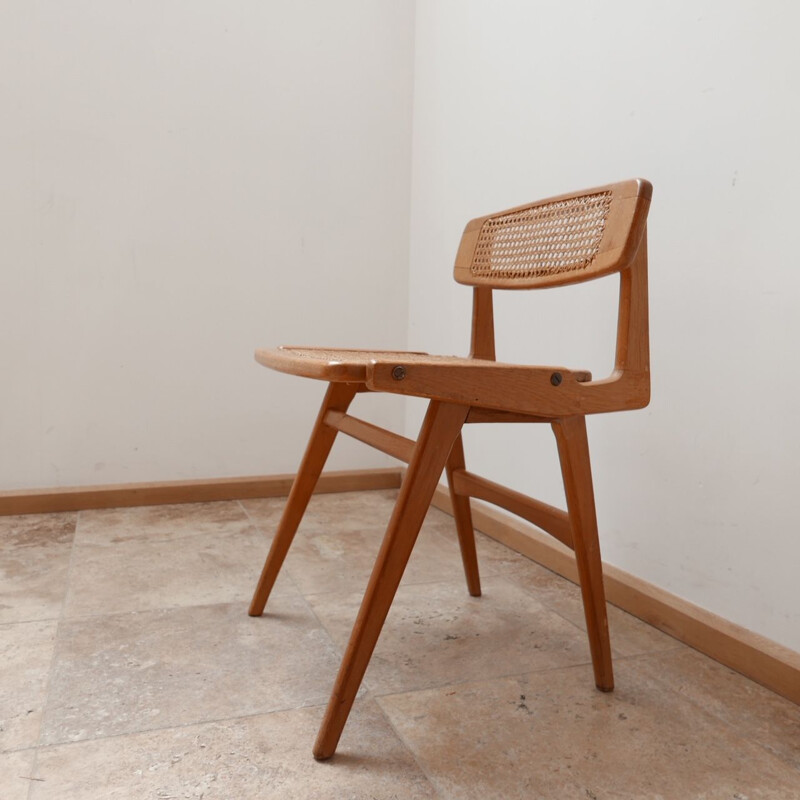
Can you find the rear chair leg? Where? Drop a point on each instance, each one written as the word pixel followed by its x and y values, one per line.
pixel 437 435
pixel 338 398
pixel 573 450
pixel 463 518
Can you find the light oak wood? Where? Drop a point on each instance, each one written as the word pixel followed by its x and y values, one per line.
pixel 772 665
pixel 538 391
pixel 573 450
pixel 337 398
pixel 463 517
pixel 127 495
pixel 563 240
pixel 482 344
pixel 438 433
pixel 342 365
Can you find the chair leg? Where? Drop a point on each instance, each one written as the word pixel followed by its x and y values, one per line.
pixel 337 398
pixel 439 431
pixel 573 450
pixel 463 518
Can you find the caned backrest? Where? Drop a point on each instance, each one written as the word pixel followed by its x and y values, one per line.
pixel 566 239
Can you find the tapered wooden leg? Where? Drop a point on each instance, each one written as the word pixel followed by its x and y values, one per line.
pixel 439 430
pixel 463 518
pixel 337 398
pixel 573 450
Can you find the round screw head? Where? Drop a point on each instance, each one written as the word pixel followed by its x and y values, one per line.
pixel 556 379
pixel 398 373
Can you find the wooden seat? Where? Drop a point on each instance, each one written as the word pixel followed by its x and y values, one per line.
pixel 559 241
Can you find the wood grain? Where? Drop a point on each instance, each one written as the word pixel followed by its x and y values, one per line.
pixel 439 430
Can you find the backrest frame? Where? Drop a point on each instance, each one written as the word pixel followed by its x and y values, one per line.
pixel 625 251
pixel 618 231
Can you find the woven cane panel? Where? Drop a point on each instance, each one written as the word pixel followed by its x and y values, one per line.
pixel 548 239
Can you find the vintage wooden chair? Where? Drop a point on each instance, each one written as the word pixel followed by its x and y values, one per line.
pixel 567 239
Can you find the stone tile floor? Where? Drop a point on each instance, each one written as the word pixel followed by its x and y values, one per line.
pixel 130 669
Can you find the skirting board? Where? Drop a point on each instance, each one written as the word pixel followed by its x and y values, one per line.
pixel 758 658
pixel 45 501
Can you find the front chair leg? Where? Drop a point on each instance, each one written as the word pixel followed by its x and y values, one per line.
pixel 439 430
pixel 337 398
pixel 573 450
pixel 463 518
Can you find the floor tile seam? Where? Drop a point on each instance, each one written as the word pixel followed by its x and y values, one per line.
pixel 557 612
pixel 531 593
pixel 440 790
pixel 379 529
pixel 678 646
pixel 340 651
pixel 709 713
pixel 270 535
pixel 257 525
pixel 30 747
pixel 176 726
pixel 53 659
pixel 435 785
pixel 86 617
pixel 11 623
pixel 500 677
pixel 772 755
pixel 403 583
pixel 336 649
pixel 164 539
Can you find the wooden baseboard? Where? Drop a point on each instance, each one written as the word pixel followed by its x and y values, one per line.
pixel 45 501
pixel 758 658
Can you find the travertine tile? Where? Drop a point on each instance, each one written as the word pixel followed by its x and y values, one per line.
pixel 257 758
pixel 139 574
pixel 752 711
pixel 527 724
pixel 553 735
pixel 26 652
pixel 34 565
pixel 110 527
pixel 16 770
pixel 437 634
pixel 131 672
pixel 343 560
pixel 336 511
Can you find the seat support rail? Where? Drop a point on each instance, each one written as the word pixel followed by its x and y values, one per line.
pixel 548 518
pixel 392 444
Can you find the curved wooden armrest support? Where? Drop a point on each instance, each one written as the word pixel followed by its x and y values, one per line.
pixel 545 391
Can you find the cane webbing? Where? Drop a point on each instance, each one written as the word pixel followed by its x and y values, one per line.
pixel 546 239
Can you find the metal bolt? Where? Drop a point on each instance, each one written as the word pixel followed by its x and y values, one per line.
pixel 398 373
pixel 556 379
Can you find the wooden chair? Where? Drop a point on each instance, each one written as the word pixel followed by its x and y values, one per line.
pixel 562 240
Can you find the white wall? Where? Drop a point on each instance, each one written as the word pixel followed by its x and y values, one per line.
pixel 183 182
pixel 518 100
